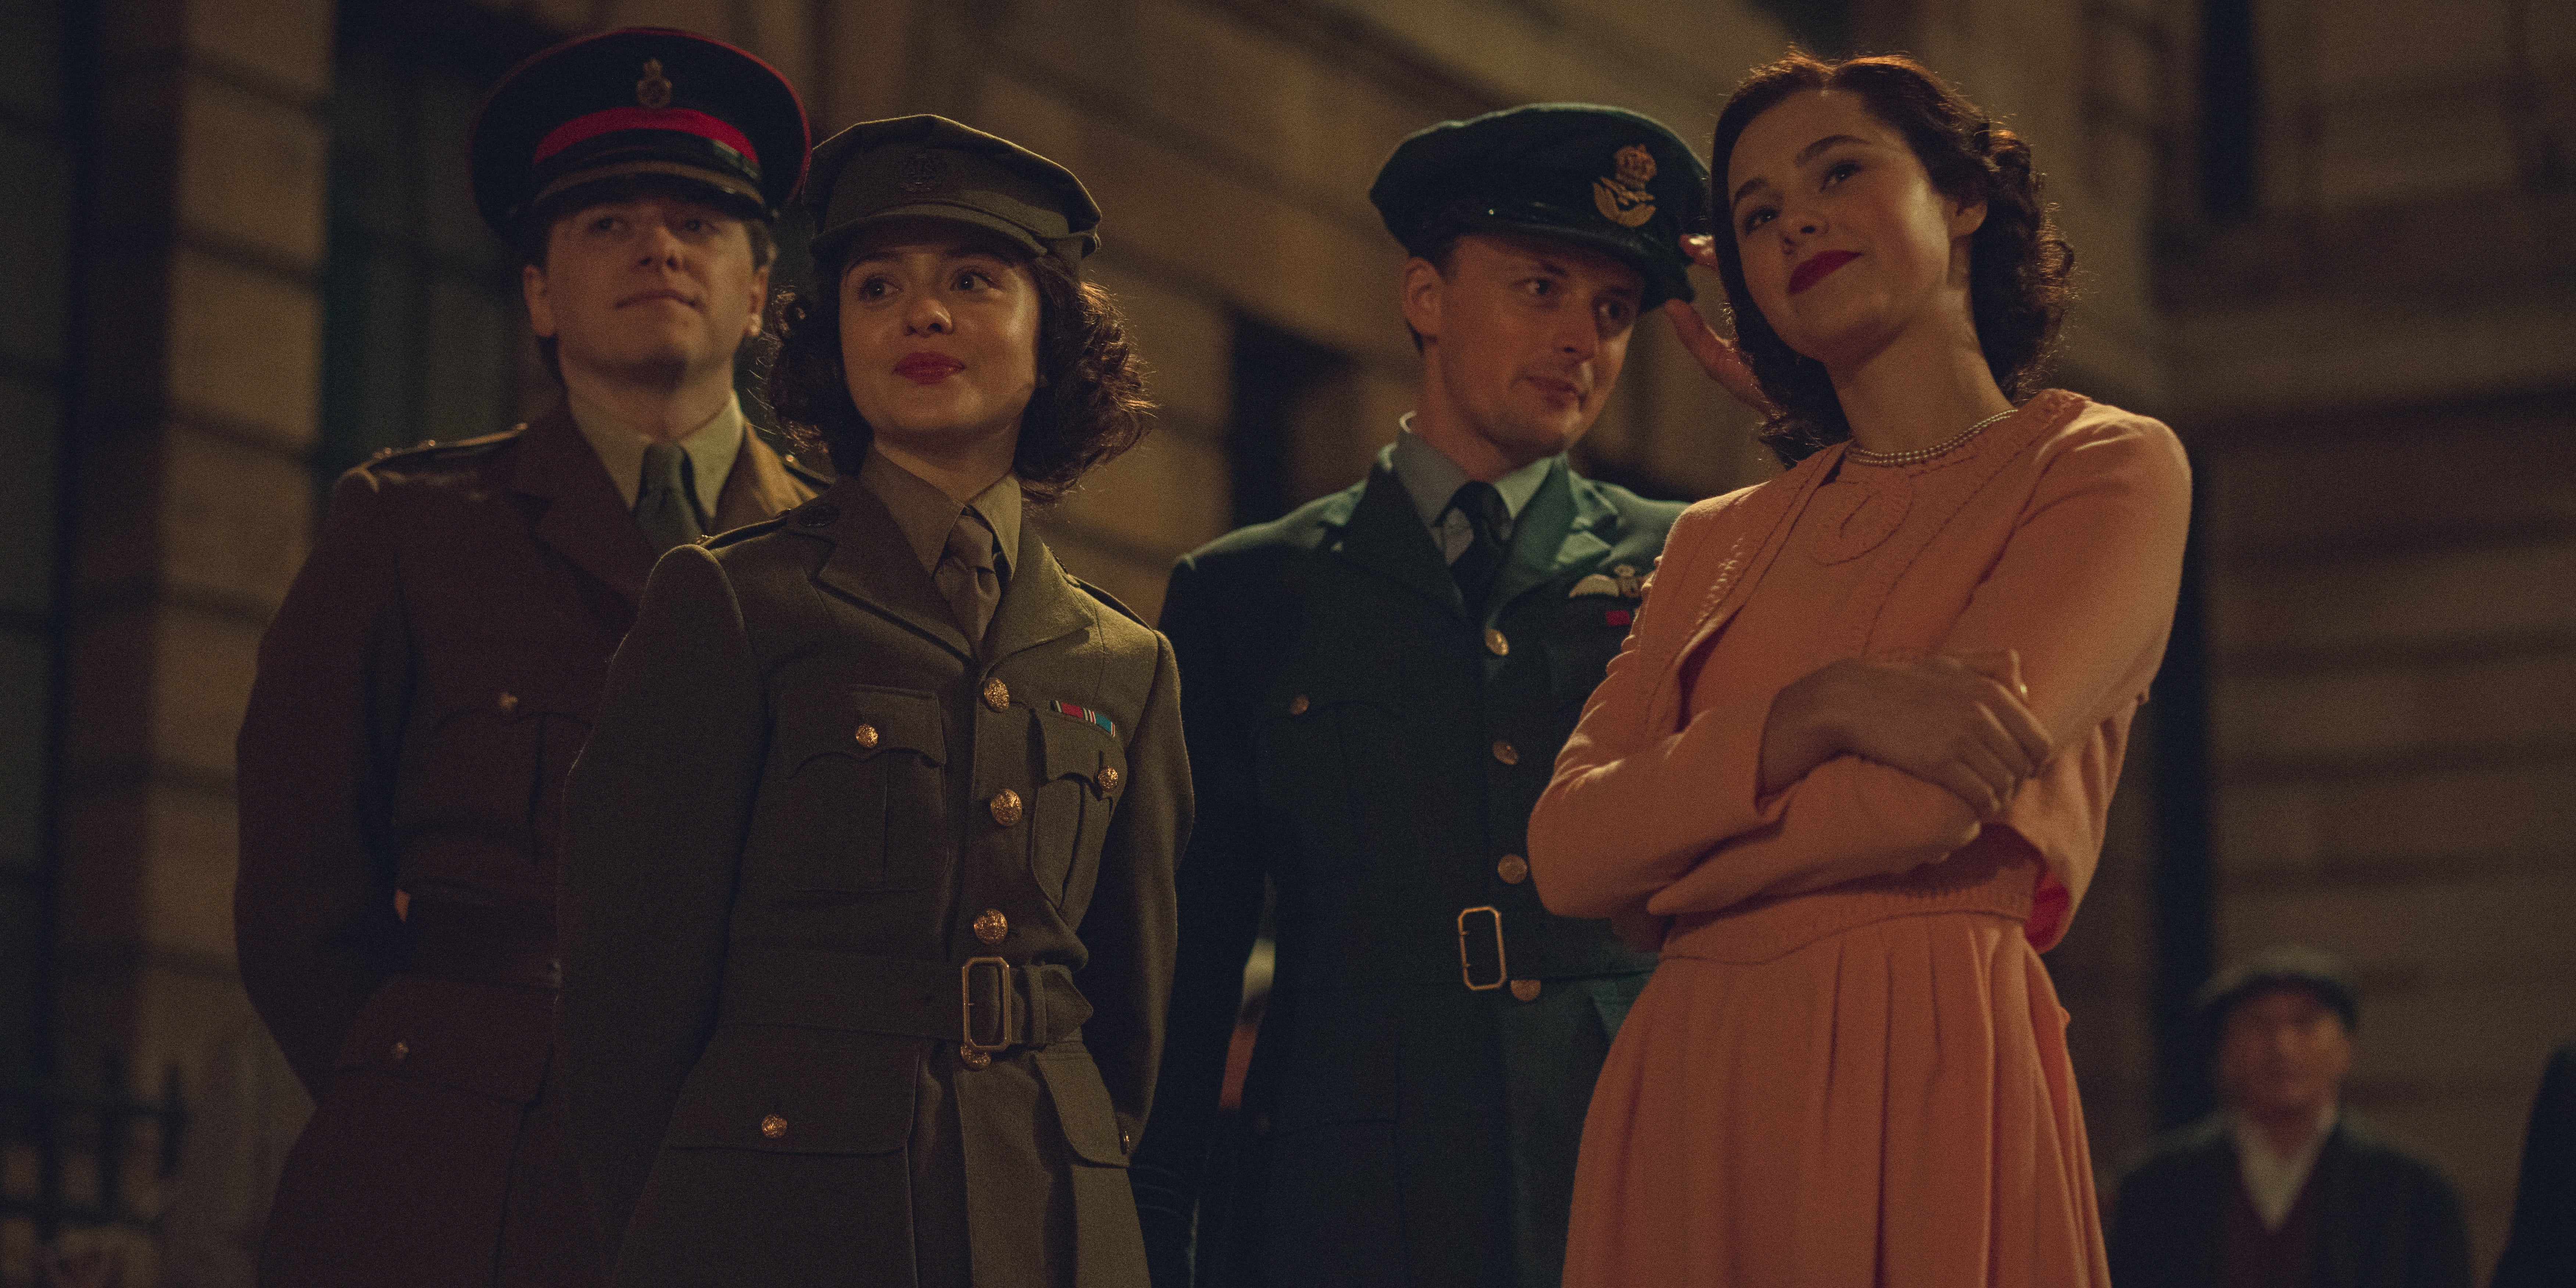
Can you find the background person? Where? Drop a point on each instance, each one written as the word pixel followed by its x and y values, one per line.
pixel 1850 771
pixel 438 661
pixel 868 883
pixel 1375 685
pixel 2542 1248
pixel 2282 1186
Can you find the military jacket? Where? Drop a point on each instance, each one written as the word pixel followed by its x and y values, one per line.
pixel 420 695
pixel 867 932
pixel 1417 1092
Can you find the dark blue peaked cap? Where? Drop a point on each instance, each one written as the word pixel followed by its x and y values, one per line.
pixel 1599 177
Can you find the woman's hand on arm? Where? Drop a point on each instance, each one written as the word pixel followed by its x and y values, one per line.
pixel 1717 355
pixel 1957 721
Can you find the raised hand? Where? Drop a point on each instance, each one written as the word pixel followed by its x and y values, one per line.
pixel 1717 355
pixel 1957 721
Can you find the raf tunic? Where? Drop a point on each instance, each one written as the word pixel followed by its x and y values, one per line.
pixel 1417 1092
pixel 868 929
pixel 420 695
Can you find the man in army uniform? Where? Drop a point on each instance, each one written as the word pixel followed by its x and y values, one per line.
pixel 437 663
pixel 1374 689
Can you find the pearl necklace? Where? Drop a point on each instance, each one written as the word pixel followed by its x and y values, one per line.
pixel 1921 454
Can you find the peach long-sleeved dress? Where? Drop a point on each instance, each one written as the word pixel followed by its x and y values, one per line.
pixel 1850 1068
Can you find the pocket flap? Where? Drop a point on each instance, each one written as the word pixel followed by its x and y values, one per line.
pixel 863 723
pixel 797 1091
pixel 1082 1107
pixel 1075 749
pixel 489 1039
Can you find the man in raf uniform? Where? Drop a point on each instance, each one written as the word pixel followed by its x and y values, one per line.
pixel 1374 689
pixel 436 665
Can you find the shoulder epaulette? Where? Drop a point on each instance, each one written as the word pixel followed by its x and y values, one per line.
pixel 1109 599
pixel 432 448
pixel 818 479
pixel 719 540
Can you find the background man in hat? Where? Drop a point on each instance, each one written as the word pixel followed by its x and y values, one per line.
pixel 2281 1186
pixel 435 667
pixel 1374 689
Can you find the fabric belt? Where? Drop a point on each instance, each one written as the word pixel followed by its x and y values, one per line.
pixel 481 945
pixel 984 1002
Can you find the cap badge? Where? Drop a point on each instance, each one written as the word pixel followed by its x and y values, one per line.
pixel 1621 197
pixel 654 91
pixel 920 172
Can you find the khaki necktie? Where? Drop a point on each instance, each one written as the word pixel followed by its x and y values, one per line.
pixel 966 577
pixel 663 506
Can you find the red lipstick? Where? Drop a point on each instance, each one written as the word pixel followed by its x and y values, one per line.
pixel 1816 266
pixel 927 368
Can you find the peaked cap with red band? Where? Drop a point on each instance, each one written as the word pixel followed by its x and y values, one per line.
pixel 639 101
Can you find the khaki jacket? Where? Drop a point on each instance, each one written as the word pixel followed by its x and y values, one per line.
pixel 811 832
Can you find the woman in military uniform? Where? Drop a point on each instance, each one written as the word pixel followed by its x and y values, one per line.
pixel 867 901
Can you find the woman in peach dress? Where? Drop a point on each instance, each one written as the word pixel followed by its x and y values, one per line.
pixel 1849 773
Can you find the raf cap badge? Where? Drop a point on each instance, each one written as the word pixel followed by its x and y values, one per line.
pixel 1621 196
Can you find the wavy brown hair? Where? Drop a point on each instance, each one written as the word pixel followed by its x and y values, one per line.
pixel 1089 407
pixel 2019 265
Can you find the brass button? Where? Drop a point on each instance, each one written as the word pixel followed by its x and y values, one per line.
pixel 1108 779
pixel 1006 807
pixel 402 1050
pixel 997 695
pixel 992 926
pixel 1513 869
pixel 1505 752
pixel 773 1126
pixel 1525 989
pixel 1126 1142
pixel 1297 705
pixel 1496 644
pixel 866 736
pixel 974 1059
pixel 509 703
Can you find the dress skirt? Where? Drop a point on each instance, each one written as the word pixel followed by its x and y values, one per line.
pixel 1888 1105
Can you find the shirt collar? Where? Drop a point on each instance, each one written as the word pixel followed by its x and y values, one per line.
pixel 1431 478
pixel 2273 1180
pixel 711 448
pixel 925 515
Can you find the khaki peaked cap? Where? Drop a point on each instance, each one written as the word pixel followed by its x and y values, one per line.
pixel 934 168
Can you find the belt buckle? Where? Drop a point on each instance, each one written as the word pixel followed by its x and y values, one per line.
pixel 1502 966
pixel 1001 1004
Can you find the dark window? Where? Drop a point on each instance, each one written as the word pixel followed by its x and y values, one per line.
pixel 41 150
pixel 426 336
pixel 2230 106
pixel 1286 390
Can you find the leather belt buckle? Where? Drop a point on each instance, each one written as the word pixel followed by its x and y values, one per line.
pixel 1502 966
pixel 1000 1024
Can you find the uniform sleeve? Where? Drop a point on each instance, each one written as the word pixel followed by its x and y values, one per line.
pixel 313 896
pixel 2084 590
pixel 1128 928
pixel 655 814
pixel 1219 895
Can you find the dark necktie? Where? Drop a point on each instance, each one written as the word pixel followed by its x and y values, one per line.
pixel 663 506
pixel 966 577
pixel 1475 568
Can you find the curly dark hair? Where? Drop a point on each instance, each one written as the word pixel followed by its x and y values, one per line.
pixel 2020 265
pixel 1090 404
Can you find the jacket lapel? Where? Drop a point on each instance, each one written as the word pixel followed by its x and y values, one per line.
pixel 757 488
pixel 872 563
pixel 1038 604
pixel 1386 536
pixel 583 520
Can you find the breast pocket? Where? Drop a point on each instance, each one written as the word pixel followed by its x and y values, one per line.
pixel 1330 755
pixel 1082 775
pixel 862 777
